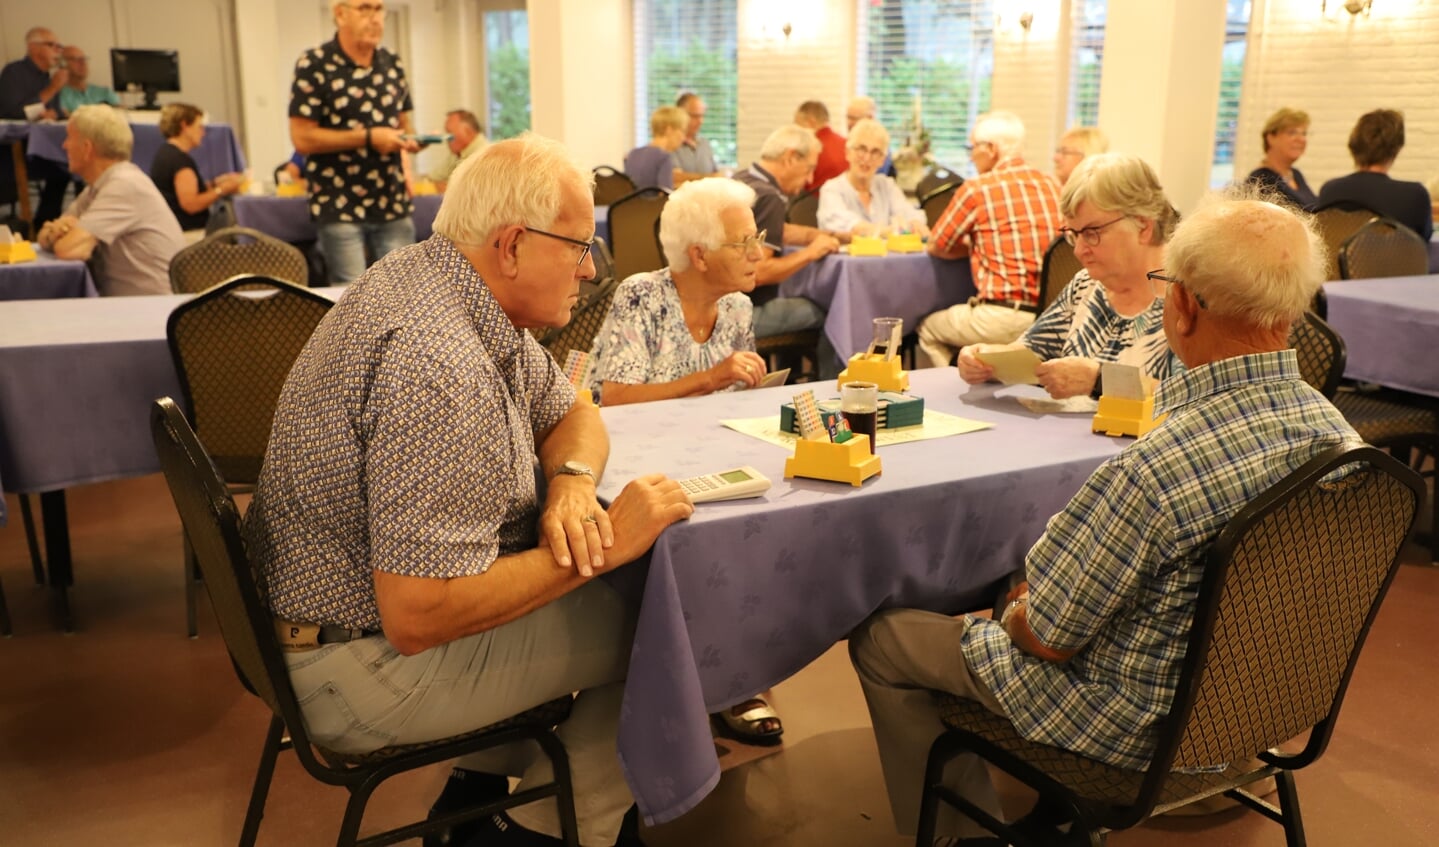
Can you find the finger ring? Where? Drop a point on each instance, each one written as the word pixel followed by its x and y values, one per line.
pixel 590 519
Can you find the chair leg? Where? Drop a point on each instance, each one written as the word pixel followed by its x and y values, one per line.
pixel 1289 806
pixel 565 798
pixel 4 613
pixel 192 581
pixel 37 564
pixel 261 790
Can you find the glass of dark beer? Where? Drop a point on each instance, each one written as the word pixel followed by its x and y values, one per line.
pixel 859 403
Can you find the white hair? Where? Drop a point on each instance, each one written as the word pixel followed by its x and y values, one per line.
pixel 692 215
pixel 1122 183
pixel 865 104
pixel 1002 129
pixel 868 129
pixel 1248 258
pixel 516 181
pixel 105 128
pixel 786 138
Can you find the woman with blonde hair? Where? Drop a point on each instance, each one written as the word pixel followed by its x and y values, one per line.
pixel 1286 137
pixel 178 176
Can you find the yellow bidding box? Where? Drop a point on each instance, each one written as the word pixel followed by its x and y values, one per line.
pixel 20 251
pixel 1125 416
pixel 290 189
pixel 850 461
pixel 875 368
pixel 868 245
pixel 906 242
pixel 424 186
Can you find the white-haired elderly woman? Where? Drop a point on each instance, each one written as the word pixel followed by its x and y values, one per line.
pixel 862 201
pixel 687 329
pixel 1118 219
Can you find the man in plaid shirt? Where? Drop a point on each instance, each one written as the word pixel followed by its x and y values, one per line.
pixel 1087 655
pixel 1002 220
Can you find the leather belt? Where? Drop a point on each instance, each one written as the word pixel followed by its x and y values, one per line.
pixel 297 636
pixel 1012 304
pixel 330 634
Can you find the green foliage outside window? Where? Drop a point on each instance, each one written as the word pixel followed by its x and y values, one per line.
pixel 509 92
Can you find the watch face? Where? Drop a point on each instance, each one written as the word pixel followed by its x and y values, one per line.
pixel 576 469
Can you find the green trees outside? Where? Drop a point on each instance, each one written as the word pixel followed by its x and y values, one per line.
pixel 710 73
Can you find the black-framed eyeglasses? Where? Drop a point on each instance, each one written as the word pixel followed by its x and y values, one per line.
pixel 748 245
pixel 1090 234
pixel 1174 280
pixel 583 245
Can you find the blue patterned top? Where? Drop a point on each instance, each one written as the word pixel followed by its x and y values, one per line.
pixel 1116 574
pixel 644 339
pixel 1081 322
pixel 404 440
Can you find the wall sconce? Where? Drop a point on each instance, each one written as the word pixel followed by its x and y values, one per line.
pixel 1353 7
pixel 1025 19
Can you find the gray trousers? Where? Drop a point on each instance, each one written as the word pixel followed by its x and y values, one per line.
pixel 901 656
pixel 363 695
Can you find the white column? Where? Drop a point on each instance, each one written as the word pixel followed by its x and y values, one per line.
pixel 582 76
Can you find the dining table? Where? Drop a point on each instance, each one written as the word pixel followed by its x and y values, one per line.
pixel 218 153
pixel 1389 327
pixel 745 593
pixel 46 278
pixel 288 218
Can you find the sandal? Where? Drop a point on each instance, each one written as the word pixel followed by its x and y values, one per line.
pixel 753 722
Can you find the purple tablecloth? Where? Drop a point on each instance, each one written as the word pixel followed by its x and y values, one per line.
pixel 854 290
pixel 77 377
pixel 1434 254
pixel 219 153
pixel 45 278
pixel 1389 327
pixel 746 593
pixel 288 218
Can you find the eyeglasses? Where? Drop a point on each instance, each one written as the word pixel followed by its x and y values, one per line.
pixel 583 245
pixel 368 10
pixel 976 145
pixel 1090 234
pixel 861 150
pixel 749 245
pixel 53 45
pixel 1171 280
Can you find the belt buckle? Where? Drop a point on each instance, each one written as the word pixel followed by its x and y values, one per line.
pixel 297 636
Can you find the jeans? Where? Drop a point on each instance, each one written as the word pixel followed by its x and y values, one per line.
pixel 796 314
pixel 344 245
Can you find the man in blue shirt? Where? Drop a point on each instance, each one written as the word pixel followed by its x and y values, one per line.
pixel 1088 654
pixel 28 91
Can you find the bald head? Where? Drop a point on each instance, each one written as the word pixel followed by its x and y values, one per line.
pixel 859 109
pixel 1248 260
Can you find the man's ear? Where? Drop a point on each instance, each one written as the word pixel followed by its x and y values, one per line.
pixel 1186 309
pixel 507 244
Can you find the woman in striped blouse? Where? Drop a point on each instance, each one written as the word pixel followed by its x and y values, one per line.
pixel 1117 218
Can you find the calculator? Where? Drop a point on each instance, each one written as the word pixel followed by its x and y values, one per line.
pixel 733 484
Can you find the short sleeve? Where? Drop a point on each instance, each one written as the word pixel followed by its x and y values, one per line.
pixel 305 90
pixel 110 213
pixel 1046 335
pixel 550 394
pixel 622 346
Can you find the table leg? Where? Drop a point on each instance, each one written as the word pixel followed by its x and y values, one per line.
pixel 22 185
pixel 37 564
pixel 57 547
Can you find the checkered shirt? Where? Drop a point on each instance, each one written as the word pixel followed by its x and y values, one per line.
pixel 1116 574
pixel 1082 322
pixel 1007 217
pixel 404 440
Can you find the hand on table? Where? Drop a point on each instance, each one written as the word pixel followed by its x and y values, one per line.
pixel 641 512
pixel 822 245
pixel 740 366
pixel 1068 376
pixel 575 525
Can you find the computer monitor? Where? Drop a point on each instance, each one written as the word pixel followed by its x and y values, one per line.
pixel 152 71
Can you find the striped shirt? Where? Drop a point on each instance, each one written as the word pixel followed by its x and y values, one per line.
pixel 1007 218
pixel 1116 574
pixel 1082 322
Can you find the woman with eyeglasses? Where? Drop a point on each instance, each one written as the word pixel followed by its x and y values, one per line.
pixel 687 329
pixel 862 201
pixel 1118 219
pixel 1286 137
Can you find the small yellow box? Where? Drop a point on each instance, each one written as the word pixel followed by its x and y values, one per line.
pixel 290 189
pixel 20 251
pixel 850 461
pixel 875 368
pixel 1124 416
pixel 425 186
pixel 868 245
pixel 906 242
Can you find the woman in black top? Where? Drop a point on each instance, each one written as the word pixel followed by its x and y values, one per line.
pixel 1286 136
pixel 176 174
pixel 1375 143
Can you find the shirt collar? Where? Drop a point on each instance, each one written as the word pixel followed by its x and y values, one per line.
pixel 1207 380
pixel 484 310
pixel 1007 164
pixel 760 172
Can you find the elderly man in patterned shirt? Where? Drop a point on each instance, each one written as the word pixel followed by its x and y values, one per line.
pixel 1002 220
pixel 1087 655
pixel 398 508
pixel 350 118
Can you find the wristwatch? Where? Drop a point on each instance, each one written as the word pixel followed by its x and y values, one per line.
pixel 573 468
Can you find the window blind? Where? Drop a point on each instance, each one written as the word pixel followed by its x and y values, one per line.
pixel 688 45
pixel 1086 58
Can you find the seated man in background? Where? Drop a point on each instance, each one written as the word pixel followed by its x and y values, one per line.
pixel 1003 220
pixel 653 165
pixel 1087 655
pixel 467 137
pixel 398 508
pixel 119 223
pixel 786 160
pixel 78 90
pixel 694 158
pixel 813 116
pixel 29 91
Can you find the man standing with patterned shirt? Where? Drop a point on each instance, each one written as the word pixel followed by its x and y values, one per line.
pixel 1003 220
pixel 398 511
pixel 350 116
pixel 1087 655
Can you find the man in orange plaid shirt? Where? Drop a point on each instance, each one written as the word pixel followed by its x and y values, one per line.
pixel 1003 220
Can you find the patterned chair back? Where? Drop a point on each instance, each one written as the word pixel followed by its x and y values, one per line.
pixel 1320 351
pixel 611 185
pixel 1060 266
pixel 633 220
pixel 1336 224
pixel 1383 247
pixel 234 251
pixel 935 202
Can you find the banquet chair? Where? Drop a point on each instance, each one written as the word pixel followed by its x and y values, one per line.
pixel 212 522
pixel 223 254
pixel 804 209
pixel 935 202
pixel 791 350
pixel 1406 425
pixel 632 232
pixel 934 179
pixel 1288 592
pixel 611 185
pixel 232 350
pixel 1383 247
pixel 590 310
pixel 1060 266
pixel 1336 223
